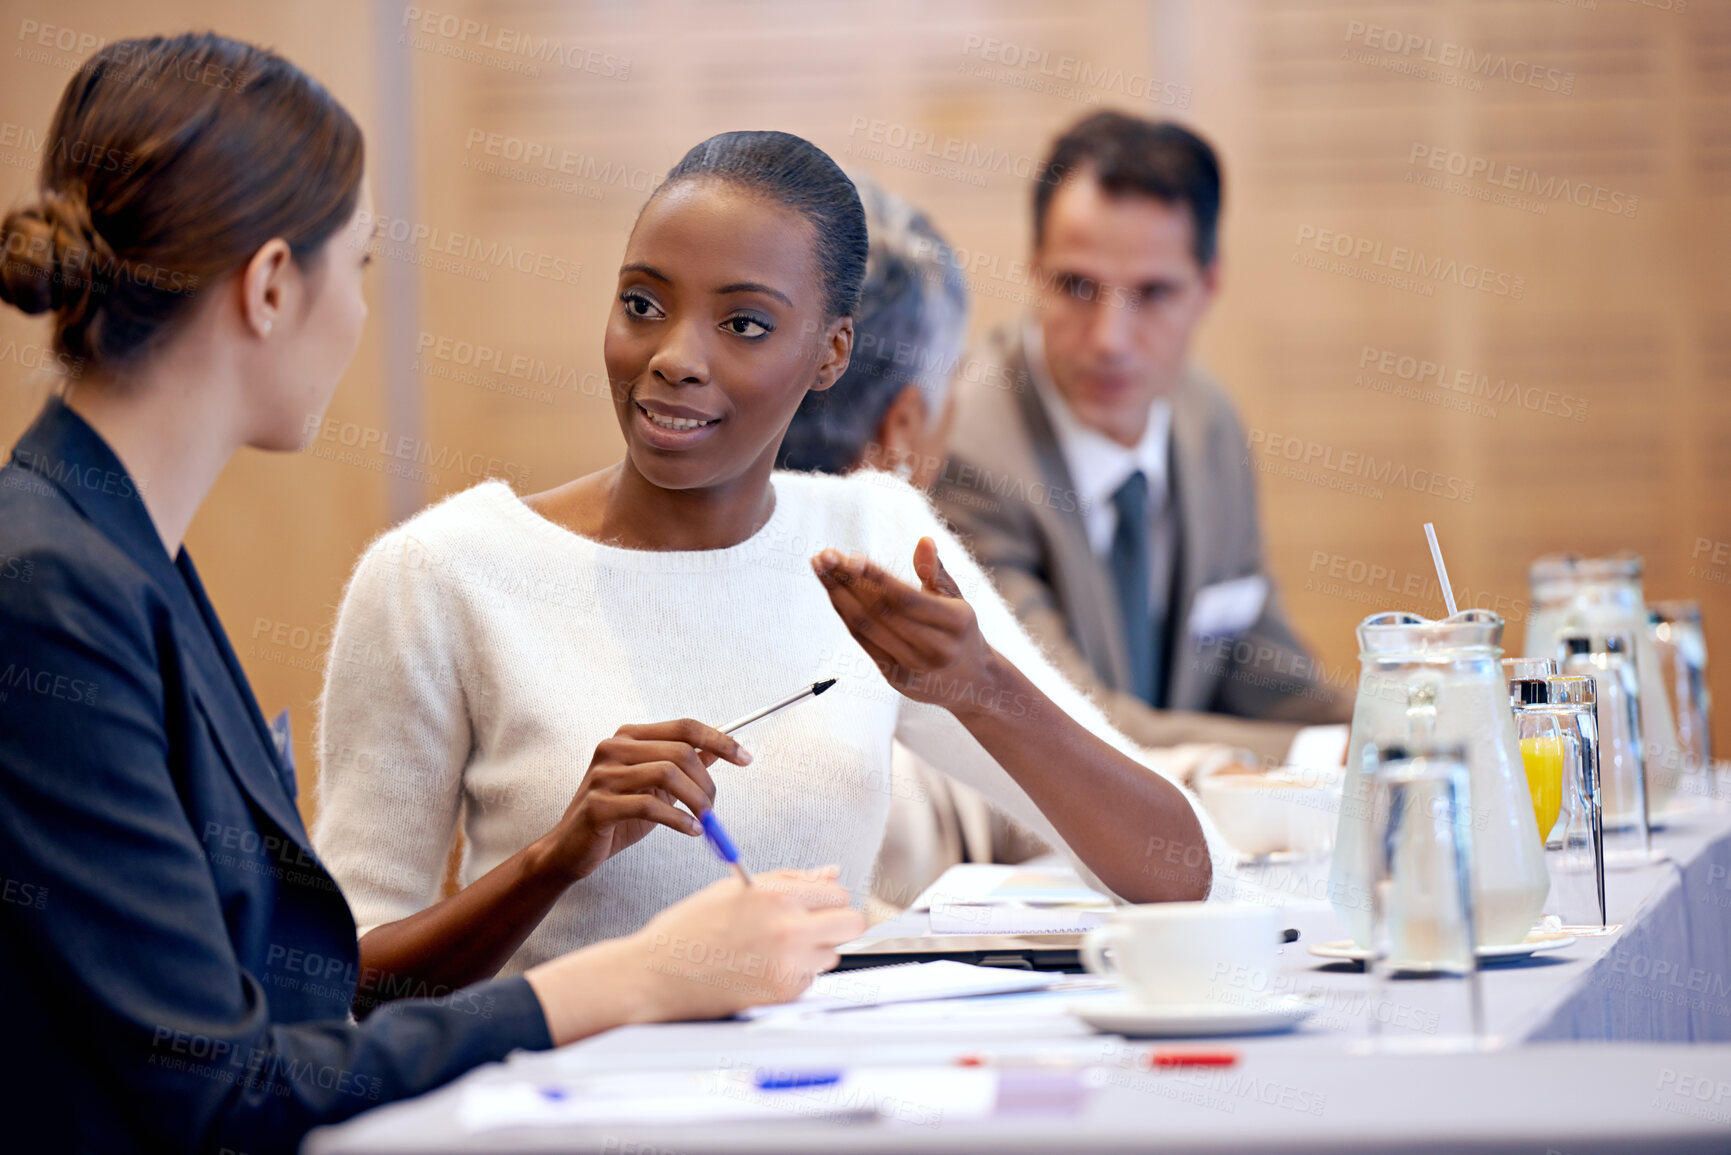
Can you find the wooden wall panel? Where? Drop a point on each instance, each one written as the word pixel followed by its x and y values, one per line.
pixel 539 128
pixel 1620 310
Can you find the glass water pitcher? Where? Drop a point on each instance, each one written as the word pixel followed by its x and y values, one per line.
pixel 1680 643
pixel 1602 596
pixel 1430 683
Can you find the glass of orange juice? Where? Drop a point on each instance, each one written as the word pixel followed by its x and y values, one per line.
pixel 1542 754
pixel 1556 720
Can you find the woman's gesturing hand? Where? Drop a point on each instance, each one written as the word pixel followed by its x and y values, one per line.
pixel 926 641
pixel 634 783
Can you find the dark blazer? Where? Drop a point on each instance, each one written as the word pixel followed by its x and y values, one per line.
pixel 1008 492
pixel 177 965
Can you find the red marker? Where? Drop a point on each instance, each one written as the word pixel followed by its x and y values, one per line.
pixel 1164 1059
pixel 1157 1060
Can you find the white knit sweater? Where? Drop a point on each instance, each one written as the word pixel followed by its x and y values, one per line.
pixel 482 651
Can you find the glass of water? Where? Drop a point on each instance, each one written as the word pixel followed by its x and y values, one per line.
pixel 1421 899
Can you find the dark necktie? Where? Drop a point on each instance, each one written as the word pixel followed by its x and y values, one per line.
pixel 1133 574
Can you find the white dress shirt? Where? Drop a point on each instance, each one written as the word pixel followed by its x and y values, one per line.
pixel 1099 465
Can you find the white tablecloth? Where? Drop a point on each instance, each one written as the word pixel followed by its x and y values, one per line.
pixel 1563 1082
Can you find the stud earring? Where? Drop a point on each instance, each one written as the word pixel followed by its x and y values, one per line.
pixel 267 325
pixel 905 471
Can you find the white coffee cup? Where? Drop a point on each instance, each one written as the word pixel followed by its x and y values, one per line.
pixel 1187 953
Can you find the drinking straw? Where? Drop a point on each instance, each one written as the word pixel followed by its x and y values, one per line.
pixel 1442 572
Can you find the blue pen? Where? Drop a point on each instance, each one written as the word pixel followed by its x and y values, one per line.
pixel 794 1080
pixel 724 848
pixel 712 830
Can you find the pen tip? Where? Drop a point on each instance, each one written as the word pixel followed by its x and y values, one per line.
pixel 819 687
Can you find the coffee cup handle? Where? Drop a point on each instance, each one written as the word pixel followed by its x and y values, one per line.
pixel 1095 944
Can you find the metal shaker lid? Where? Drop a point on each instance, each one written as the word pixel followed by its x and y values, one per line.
pixel 1529 692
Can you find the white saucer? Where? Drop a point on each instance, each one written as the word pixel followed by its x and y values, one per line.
pixel 1124 1015
pixel 1345 950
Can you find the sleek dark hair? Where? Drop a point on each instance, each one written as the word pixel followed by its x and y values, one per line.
pixel 169 162
pixel 800 175
pixel 1127 154
pixel 913 312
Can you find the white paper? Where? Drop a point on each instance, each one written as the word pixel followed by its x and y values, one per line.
pixel 1000 918
pixel 971 882
pixel 906 983
pixel 1229 608
pixel 922 1095
pixel 1043 1014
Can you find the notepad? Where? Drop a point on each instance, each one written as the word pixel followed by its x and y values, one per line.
pixel 906 983
pixel 971 882
pixel 1001 918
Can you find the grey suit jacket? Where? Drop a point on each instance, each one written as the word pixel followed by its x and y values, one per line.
pixel 1007 490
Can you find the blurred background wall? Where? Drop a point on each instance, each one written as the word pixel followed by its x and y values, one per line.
pixel 1476 257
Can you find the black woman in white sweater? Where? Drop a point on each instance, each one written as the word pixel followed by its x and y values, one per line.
pixel 492 653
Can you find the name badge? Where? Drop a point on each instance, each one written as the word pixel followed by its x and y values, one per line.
pixel 1229 608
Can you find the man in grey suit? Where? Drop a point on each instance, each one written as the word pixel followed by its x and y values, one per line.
pixel 1105 482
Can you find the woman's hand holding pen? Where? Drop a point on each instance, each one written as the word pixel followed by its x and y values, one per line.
pixel 633 784
pixel 925 640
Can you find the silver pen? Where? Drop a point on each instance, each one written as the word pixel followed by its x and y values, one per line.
pixel 712 828
pixel 812 690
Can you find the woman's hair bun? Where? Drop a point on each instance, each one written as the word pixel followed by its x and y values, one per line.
pixel 52 259
pixel 169 162
pixel 27 260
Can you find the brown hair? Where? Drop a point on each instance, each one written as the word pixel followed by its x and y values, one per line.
pixel 170 161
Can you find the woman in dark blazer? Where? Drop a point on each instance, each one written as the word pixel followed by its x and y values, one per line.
pixel 178 966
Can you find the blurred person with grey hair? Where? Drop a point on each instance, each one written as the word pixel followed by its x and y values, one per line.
pixel 892 410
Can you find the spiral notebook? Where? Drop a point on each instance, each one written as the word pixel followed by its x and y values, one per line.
pixel 1027 917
